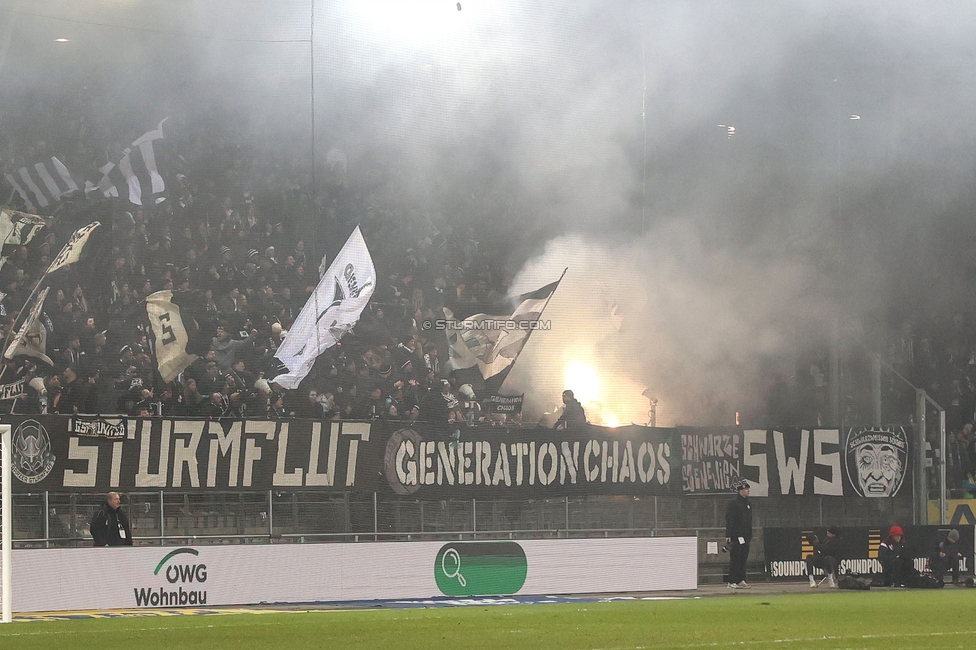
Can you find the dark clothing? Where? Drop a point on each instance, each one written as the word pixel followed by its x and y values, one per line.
pixel 573 416
pixel 73 395
pixel 738 557
pixel 826 555
pixel 738 530
pixel 945 558
pixel 437 409
pixel 896 563
pixel 110 527
pixel 738 519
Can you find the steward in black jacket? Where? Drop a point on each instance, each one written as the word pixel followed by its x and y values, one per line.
pixel 738 533
pixel 110 526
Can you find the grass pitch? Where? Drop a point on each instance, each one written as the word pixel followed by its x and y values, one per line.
pixel 893 619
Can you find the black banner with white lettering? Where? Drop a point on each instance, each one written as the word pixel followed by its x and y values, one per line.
pixel 871 462
pixel 65 454
pixel 786 548
pixel 496 462
pixel 503 404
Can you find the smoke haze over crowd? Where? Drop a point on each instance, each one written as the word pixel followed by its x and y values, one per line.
pixel 726 179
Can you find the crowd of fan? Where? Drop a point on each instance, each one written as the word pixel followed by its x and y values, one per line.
pixel 247 271
pixel 941 359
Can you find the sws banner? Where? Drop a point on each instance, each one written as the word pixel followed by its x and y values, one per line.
pixel 786 548
pixel 866 462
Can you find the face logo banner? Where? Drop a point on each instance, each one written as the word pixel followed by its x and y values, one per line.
pixel 876 460
pixel 795 461
pixel 32 457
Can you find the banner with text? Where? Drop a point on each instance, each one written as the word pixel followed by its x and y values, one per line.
pixel 869 462
pixel 64 454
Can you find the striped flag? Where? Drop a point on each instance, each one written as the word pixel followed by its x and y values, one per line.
pixel 136 171
pixel 40 175
pixel 139 156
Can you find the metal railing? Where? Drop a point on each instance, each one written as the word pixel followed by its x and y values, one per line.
pixel 43 520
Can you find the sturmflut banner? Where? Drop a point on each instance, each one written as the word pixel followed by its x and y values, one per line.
pixel 86 453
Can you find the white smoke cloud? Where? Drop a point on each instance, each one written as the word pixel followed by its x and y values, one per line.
pixel 696 326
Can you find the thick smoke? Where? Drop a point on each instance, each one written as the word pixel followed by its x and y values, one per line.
pixel 844 195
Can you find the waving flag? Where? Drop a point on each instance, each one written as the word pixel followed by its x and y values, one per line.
pixel 72 251
pixel 31 338
pixel 330 312
pixel 39 176
pixel 493 342
pixel 171 334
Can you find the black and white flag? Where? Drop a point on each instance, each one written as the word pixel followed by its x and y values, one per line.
pixel 330 312
pixel 137 169
pixel 16 229
pixel 493 342
pixel 31 338
pixel 72 251
pixel 40 175
pixel 171 334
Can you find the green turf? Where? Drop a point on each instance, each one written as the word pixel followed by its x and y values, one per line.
pixel 903 619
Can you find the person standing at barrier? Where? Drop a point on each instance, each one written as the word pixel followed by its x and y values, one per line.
pixel 826 556
pixel 110 526
pixel 896 562
pixel 946 558
pixel 738 533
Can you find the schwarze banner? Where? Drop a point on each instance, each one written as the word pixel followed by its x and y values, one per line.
pixel 870 462
pixel 68 454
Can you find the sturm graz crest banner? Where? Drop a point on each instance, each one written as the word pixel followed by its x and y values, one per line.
pixel 32 457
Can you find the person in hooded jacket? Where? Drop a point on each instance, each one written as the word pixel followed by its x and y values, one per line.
pixel 946 557
pixel 110 526
pixel 738 533
pixel 896 562
pixel 826 556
